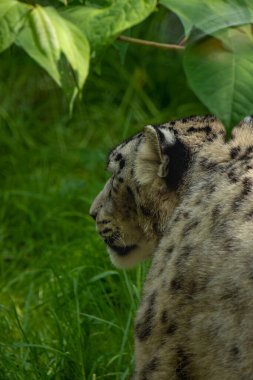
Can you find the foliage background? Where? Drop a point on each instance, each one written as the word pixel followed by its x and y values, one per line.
pixel 65 312
pixel 67 37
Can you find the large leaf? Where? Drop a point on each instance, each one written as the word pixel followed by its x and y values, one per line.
pixel 220 72
pixel 58 46
pixel 211 15
pixel 12 18
pixel 102 25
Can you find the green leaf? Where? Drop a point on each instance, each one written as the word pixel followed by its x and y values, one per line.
pixel 220 71
pixel 58 46
pixel 12 18
pixel 102 25
pixel 211 15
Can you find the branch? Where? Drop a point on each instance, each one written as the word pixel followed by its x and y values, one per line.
pixel 150 43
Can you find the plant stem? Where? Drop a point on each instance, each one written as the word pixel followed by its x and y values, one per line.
pixel 150 43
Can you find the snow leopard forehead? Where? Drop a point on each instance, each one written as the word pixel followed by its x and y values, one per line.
pixel 118 157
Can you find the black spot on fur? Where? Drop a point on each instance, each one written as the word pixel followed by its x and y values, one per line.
pixel 235 151
pixel 150 368
pixel 179 160
pixel 211 188
pixel 143 329
pixel 185 252
pixel 212 137
pixel 190 226
pixel 172 328
pixel 247 187
pixel 198 201
pixel 164 316
pixel 249 150
pixel 122 163
pixel 176 284
pixel 153 364
pixel 246 155
pixel 130 192
pixel 155 227
pixel 207 129
pixel 118 157
pixel 235 352
pixel 233 176
pixel 216 212
pixel 121 180
pixel 182 372
pixel 170 249
pixel 145 211
pixel 177 216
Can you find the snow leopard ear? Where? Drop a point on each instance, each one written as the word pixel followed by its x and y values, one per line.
pixel 161 155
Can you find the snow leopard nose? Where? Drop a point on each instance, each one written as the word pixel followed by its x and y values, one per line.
pixel 93 211
pixel 95 207
pixel 93 214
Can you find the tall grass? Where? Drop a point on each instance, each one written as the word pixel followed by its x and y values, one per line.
pixel 65 312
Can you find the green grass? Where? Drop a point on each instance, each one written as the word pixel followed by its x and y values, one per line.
pixel 65 312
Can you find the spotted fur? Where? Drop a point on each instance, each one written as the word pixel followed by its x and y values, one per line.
pixel 183 195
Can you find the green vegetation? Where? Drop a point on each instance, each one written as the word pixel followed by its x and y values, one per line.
pixel 68 37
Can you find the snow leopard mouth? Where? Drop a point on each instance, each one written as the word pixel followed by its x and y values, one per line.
pixel 120 250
